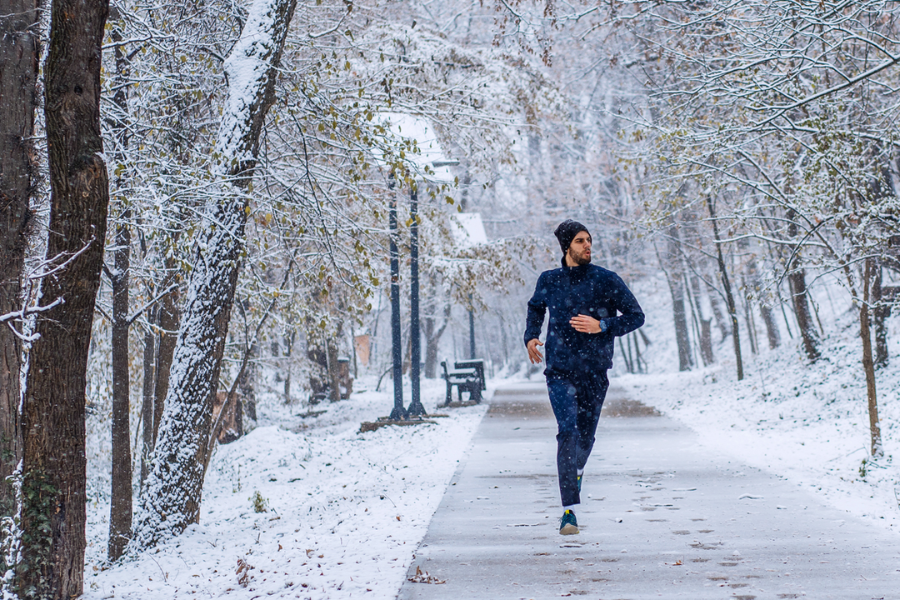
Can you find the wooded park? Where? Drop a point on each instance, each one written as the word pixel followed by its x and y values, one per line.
pixel 196 197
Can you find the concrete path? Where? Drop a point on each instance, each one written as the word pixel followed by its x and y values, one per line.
pixel 660 518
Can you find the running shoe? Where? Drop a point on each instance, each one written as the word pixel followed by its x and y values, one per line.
pixel 567 524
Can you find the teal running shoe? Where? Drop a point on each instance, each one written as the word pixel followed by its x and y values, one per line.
pixel 578 480
pixel 567 524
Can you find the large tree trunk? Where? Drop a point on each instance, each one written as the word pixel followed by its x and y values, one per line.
pixel 880 313
pixel 726 286
pixel 53 464
pixel 868 363
pixel 121 496
pixel 288 350
pixel 248 383
pixel 715 303
pixel 168 321
pixel 433 333
pixel 18 100
pixel 751 326
pixel 171 501
pixel 675 277
pixel 768 318
pixel 797 286
pixel 120 504
pixel 706 347
pixel 148 395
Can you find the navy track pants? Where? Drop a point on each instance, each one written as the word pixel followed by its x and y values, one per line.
pixel 577 398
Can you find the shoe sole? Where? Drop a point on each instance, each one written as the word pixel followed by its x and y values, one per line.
pixel 568 529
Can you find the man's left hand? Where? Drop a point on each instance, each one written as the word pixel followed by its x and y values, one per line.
pixel 585 324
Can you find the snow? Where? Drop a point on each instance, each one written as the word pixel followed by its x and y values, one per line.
pixel 805 422
pixel 419 130
pixel 469 230
pixel 333 496
pixel 345 511
pixel 247 67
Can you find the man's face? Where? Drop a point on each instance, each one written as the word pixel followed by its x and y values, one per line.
pixel 580 248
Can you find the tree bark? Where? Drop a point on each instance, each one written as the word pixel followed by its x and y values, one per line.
pixel 706 347
pixel 171 501
pixel 19 44
pixel 797 286
pixel 726 286
pixel 751 326
pixel 169 319
pixel 53 463
pixel 880 314
pixel 868 363
pixel 771 324
pixel 715 304
pixel 121 495
pixel 679 312
pixel 288 350
pixel 147 415
pixel 433 333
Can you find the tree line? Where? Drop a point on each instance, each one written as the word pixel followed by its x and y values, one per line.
pixel 764 137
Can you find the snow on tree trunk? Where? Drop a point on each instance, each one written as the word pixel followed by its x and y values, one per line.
pixel 168 319
pixel 171 498
pixel 52 515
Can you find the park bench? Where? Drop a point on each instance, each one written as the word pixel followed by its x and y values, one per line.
pixel 465 379
pixel 475 363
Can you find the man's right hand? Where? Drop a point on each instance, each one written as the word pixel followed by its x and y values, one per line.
pixel 534 355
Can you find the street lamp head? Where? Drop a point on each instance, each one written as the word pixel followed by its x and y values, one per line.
pixel 444 163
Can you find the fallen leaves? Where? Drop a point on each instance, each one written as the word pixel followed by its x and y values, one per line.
pixel 423 577
pixel 243 572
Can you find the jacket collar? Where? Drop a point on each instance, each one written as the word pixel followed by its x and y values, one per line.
pixel 575 269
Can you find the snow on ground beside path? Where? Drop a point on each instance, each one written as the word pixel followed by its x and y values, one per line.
pixel 344 511
pixel 807 423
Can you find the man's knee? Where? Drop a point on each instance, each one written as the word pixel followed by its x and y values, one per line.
pixel 567 433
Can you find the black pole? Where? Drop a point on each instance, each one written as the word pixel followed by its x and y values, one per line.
pixel 399 413
pixel 415 407
pixel 471 331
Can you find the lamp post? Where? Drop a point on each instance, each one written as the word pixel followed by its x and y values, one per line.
pixel 399 413
pixel 471 330
pixel 415 406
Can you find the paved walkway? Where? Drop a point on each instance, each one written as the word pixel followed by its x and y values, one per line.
pixel 660 518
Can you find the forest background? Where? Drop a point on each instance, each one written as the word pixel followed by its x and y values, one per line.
pixel 196 196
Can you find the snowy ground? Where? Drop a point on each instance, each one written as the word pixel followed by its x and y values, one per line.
pixel 806 422
pixel 343 511
pixel 809 425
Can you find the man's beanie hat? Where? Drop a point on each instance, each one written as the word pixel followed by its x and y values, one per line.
pixel 567 231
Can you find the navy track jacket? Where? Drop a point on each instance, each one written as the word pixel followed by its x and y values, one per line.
pixel 582 290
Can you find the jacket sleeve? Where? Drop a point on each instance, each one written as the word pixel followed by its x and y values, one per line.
pixel 537 308
pixel 624 301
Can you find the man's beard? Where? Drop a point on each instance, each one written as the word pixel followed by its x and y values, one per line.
pixel 580 259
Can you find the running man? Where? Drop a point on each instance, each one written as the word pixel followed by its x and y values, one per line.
pixel 589 307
